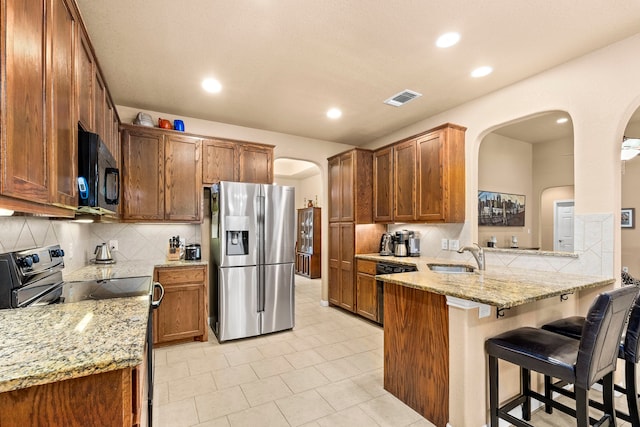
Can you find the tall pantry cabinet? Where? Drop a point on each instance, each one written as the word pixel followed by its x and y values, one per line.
pixel 350 222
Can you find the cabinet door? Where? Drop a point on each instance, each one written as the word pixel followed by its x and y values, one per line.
pixel 430 189
pixel 334 190
pixel 346 187
pixel 334 263
pixel 85 65
pixel 219 161
pixel 143 175
pixel 367 296
pixel 404 173
pixel 63 122
pixel 256 164
pixel 24 139
pixel 99 106
pixel 181 314
pixel 383 185
pixel 183 179
pixel 347 270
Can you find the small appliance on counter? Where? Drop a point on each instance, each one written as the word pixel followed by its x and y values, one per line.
pixel 386 244
pixel 514 242
pixel 192 252
pixel 414 243
pixel 103 255
pixel 402 242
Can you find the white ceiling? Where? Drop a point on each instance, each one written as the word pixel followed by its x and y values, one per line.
pixel 284 63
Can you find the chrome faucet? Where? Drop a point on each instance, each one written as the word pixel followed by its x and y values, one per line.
pixel 477 253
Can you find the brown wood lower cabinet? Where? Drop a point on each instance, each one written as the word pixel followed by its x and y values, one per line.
pixel 184 309
pixel 416 350
pixel 110 399
pixel 367 290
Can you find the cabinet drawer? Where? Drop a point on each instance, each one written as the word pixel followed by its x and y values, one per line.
pixel 169 276
pixel 367 267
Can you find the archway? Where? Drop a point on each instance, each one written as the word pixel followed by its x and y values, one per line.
pixel 524 158
pixel 630 202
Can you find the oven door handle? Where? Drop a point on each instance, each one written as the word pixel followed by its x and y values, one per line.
pixel 155 304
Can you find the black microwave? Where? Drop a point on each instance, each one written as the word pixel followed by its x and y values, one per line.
pixel 98 175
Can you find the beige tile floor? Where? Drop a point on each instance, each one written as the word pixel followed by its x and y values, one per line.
pixel 327 371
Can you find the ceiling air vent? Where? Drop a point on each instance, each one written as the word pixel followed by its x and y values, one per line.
pixel 402 98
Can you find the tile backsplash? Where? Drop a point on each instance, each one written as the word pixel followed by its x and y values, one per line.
pixel 135 241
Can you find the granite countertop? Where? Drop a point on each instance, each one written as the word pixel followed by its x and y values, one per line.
pixel 44 344
pixel 497 286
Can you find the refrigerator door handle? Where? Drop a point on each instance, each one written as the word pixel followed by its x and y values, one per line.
pixel 261 248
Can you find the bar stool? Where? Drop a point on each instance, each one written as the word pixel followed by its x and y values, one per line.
pixel 629 351
pixel 580 362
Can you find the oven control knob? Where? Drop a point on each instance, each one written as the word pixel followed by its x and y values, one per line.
pixel 35 258
pixel 56 253
pixel 25 262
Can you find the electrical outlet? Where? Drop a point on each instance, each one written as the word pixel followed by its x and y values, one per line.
pixel 444 244
pixel 113 245
pixel 625 269
pixel 454 245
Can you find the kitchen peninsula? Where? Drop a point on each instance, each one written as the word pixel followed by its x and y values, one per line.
pixel 434 357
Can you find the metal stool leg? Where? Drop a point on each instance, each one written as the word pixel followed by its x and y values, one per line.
pixel 548 394
pixel 493 390
pixel 632 393
pixel 582 407
pixel 525 381
pixel 607 396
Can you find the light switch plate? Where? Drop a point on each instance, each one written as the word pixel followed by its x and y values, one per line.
pixel 444 244
pixel 454 245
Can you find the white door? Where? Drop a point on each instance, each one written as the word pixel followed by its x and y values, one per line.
pixel 563 226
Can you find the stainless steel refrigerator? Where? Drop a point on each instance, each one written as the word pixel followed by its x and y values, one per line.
pixel 253 250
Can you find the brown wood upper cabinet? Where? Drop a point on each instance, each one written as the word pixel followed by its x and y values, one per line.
pixel 85 64
pixel 24 119
pixel 219 161
pixel 256 164
pixel 425 181
pixel 61 90
pixel 161 175
pixel 227 160
pixel 350 187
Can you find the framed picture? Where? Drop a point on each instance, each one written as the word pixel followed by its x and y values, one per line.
pixel 500 209
pixel 628 218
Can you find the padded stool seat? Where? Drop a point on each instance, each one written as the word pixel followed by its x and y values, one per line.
pixel 580 362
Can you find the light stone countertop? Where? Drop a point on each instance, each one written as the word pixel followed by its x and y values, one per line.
pixel 496 286
pixel 44 344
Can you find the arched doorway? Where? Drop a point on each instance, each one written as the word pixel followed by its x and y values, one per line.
pixel 630 202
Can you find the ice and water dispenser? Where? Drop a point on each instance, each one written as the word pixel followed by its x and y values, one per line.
pixel 237 235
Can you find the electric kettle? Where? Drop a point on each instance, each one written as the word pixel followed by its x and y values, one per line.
pixel 103 254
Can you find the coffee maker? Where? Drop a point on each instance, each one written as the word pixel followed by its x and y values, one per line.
pixel 402 243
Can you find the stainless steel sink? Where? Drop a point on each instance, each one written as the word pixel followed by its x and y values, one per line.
pixel 448 268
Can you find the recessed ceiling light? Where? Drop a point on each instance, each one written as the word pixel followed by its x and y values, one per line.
pixel 562 120
pixel 211 85
pixel 334 113
pixel 481 71
pixel 448 39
